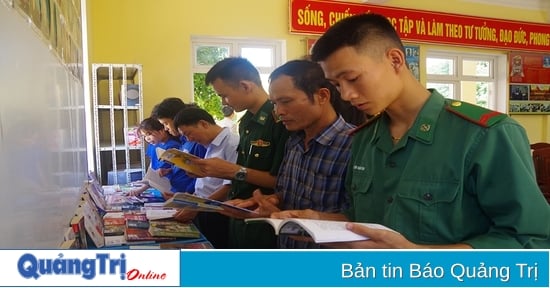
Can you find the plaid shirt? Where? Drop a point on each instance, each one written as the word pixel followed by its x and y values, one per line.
pixel 314 178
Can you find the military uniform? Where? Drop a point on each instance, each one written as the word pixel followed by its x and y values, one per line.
pixel 261 147
pixel 462 174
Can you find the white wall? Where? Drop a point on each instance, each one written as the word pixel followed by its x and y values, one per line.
pixel 42 138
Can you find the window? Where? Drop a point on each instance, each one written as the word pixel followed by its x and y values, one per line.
pixel 466 77
pixel 266 55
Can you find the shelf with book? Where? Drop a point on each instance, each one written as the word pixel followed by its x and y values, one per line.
pixel 117 106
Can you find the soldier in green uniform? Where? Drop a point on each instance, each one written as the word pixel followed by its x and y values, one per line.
pixel 260 150
pixel 443 173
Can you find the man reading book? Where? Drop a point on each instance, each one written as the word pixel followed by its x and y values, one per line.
pixel 443 173
pixel 199 126
pixel 261 144
pixel 317 152
pixel 165 112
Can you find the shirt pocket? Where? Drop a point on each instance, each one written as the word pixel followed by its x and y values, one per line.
pixel 363 199
pixel 260 157
pixel 430 210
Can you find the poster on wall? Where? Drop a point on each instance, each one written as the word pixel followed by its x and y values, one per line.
pixel 309 45
pixel 529 83
pixel 412 54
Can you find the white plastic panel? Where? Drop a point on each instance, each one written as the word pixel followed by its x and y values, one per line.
pixel 43 158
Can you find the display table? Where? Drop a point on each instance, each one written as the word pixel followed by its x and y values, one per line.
pixel 109 217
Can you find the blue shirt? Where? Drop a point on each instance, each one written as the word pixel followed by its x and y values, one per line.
pixel 180 181
pixel 314 178
pixel 152 153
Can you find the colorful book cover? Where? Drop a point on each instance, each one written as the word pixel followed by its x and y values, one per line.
pixel 173 229
pixel 137 234
pixel 181 159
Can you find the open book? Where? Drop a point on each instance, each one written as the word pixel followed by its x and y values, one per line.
pixel 190 201
pixel 156 181
pixel 321 231
pixel 180 159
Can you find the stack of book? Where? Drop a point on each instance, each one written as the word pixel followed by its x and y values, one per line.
pixel 137 229
pixel 114 226
pixel 173 228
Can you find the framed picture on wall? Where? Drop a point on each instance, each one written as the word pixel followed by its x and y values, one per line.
pixel 529 83
pixel 529 107
pixel 519 92
pixel 412 55
pixel 309 45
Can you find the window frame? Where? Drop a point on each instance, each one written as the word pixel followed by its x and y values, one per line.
pixel 497 99
pixel 235 46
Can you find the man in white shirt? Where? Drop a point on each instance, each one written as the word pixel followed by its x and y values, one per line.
pixel 199 126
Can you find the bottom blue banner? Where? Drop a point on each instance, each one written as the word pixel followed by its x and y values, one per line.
pixel 360 268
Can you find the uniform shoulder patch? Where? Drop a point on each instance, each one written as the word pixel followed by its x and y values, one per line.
pixel 473 113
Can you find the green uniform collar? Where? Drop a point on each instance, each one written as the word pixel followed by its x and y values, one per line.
pixel 426 121
pixel 424 125
pixel 262 115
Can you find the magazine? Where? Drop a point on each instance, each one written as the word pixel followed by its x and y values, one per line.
pixel 190 201
pixel 180 159
pixel 156 181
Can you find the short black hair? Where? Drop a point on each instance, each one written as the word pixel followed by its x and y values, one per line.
pixel 369 32
pixel 309 77
pixel 192 116
pixel 233 70
pixel 227 110
pixel 169 107
pixel 150 124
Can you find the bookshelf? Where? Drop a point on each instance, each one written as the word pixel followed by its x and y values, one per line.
pixel 118 110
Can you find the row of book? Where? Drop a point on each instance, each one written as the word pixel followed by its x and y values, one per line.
pixel 108 216
pixel 122 228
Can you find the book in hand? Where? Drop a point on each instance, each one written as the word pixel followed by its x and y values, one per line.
pixel 321 231
pixel 173 228
pixel 192 202
pixel 156 181
pixel 180 159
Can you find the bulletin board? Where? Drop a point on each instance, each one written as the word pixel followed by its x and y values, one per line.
pixel 529 83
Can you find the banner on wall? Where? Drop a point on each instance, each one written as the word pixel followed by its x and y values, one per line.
pixel 314 17
pixel 529 79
